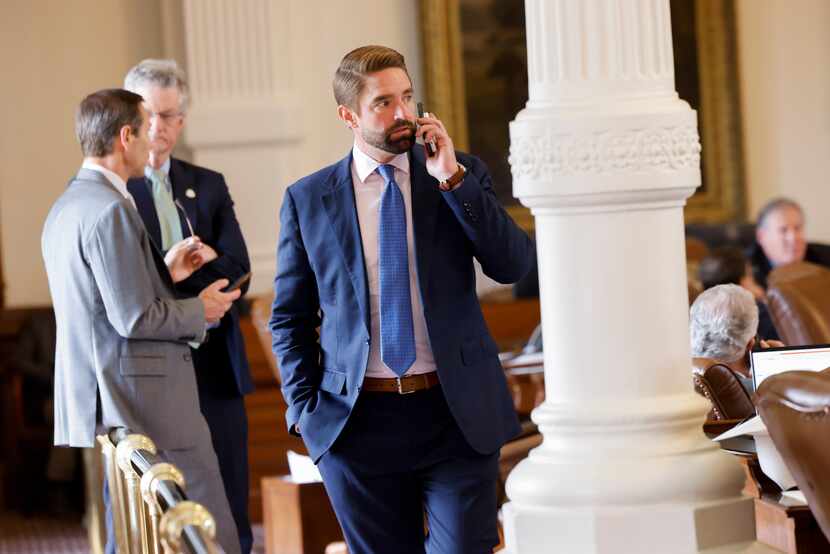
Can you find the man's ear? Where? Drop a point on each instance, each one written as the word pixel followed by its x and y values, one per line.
pixel 125 136
pixel 348 116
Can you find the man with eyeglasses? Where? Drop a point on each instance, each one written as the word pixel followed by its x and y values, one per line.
pixel 177 199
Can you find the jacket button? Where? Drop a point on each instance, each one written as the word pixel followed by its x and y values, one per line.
pixel 186 357
pixel 368 341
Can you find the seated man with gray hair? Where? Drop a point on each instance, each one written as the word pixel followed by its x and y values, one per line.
pixel 723 322
pixel 780 239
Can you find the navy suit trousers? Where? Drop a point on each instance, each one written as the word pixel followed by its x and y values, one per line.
pixel 402 459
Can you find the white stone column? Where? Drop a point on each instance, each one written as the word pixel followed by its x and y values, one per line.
pixel 605 155
pixel 245 111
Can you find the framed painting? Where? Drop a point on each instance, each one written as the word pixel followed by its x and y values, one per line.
pixel 475 68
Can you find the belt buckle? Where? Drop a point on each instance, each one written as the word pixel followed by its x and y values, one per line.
pixel 400 387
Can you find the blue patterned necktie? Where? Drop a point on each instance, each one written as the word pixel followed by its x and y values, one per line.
pixel 397 337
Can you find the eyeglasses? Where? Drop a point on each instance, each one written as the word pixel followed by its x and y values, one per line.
pixel 184 213
pixel 167 117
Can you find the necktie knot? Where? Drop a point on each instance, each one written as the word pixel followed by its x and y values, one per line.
pixel 387 171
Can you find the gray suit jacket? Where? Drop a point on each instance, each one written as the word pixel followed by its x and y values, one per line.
pixel 121 333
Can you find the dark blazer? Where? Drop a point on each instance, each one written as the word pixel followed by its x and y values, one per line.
pixel 816 253
pixel 321 282
pixel 210 210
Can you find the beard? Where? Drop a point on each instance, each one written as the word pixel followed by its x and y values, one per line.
pixel 384 141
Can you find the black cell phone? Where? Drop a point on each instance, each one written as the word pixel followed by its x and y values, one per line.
pixel 238 283
pixel 429 145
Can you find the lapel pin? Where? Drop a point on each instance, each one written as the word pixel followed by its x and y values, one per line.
pixel 190 193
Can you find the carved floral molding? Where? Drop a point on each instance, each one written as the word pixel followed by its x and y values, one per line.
pixel 550 155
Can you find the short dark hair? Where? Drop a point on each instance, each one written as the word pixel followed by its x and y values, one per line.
pixel 350 76
pixel 774 205
pixel 100 117
pixel 723 266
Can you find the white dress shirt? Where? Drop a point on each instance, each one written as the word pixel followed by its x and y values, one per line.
pixel 368 188
pixel 113 178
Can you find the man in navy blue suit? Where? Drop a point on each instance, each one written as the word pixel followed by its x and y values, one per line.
pixel 400 396
pixel 177 199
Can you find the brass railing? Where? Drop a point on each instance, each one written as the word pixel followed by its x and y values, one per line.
pixel 151 513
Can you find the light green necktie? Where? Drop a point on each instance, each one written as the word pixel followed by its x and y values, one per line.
pixel 171 227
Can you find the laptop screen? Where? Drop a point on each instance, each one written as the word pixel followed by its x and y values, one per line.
pixel 788 358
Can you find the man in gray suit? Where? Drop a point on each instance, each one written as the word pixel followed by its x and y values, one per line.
pixel 122 356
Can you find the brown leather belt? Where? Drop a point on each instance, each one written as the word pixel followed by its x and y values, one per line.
pixel 401 385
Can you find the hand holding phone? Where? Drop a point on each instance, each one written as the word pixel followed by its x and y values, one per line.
pixel 238 283
pixel 430 144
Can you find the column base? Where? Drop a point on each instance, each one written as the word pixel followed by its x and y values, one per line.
pixel 714 527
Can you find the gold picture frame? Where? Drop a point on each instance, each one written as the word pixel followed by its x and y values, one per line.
pixel 721 199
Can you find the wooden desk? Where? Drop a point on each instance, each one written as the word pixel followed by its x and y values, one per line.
pixel 299 518
pixel 510 320
pixel 781 522
pixel 788 526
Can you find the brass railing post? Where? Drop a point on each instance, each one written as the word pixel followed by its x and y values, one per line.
pixel 149 491
pixel 115 485
pixel 175 519
pixel 138 539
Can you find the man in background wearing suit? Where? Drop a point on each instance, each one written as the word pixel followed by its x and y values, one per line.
pixel 780 240
pixel 171 196
pixel 121 352
pixel 400 399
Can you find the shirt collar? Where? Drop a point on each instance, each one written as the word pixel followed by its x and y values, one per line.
pixel 165 168
pixel 366 165
pixel 112 177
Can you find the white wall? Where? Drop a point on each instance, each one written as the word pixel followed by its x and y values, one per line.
pixel 54 52
pixel 785 86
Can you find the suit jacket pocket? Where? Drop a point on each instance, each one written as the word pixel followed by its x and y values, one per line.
pixel 333 382
pixel 144 366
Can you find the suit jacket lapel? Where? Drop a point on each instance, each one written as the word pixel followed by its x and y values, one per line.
pixel 339 203
pixel 139 188
pixel 183 180
pixel 425 204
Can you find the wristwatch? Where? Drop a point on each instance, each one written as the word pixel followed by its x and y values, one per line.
pixel 453 180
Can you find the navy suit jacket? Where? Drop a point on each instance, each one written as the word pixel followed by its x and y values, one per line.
pixel 222 359
pixel 321 282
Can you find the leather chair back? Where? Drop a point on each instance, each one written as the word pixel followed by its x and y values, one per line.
pixel 799 303
pixel 795 406
pixel 718 382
